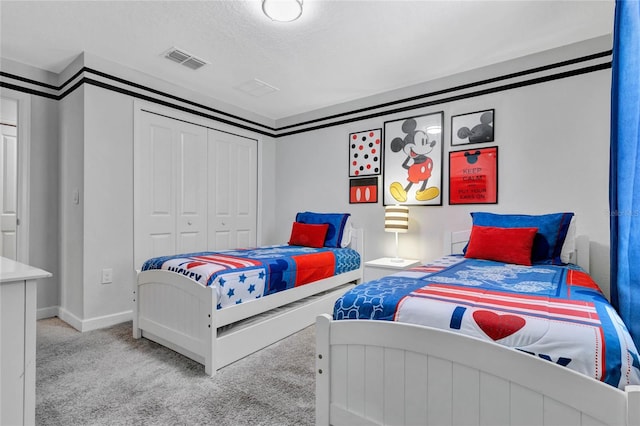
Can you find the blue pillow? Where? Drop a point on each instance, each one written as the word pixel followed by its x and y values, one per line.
pixel 552 230
pixel 336 222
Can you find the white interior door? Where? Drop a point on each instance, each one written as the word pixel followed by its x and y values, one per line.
pixel 170 206
pixel 192 188
pixel 8 181
pixel 233 191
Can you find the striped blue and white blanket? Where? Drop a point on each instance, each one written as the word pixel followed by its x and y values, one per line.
pixel 557 313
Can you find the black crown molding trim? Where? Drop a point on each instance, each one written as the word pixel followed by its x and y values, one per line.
pixel 276 132
pixel 122 81
pixel 538 80
pixel 29 91
pixel 28 80
pixel 457 88
pixel 176 98
pixel 169 104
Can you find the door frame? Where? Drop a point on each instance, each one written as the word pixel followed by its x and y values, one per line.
pixel 24 155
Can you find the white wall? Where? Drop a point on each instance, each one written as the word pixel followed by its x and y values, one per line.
pixel 267 200
pixel 553 141
pixel 44 229
pixel 108 204
pixel 71 110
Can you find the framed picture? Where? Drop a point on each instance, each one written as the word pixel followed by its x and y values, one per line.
pixel 473 176
pixel 474 127
pixel 363 190
pixel 413 161
pixel 365 149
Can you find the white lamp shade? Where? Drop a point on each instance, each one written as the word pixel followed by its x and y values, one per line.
pixel 282 10
pixel 396 219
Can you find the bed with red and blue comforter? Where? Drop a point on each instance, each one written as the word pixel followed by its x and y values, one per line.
pixel 248 274
pixel 554 312
pixel 216 307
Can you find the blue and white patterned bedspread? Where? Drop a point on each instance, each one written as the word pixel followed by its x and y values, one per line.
pixel 557 313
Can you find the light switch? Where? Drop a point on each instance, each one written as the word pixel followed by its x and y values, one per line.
pixel 107 276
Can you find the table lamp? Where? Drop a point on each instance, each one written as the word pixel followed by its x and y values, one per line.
pixel 396 219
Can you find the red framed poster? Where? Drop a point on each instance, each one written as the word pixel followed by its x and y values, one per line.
pixel 473 176
pixel 363 190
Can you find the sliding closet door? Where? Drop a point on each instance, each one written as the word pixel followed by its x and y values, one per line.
pixel 192 188
pixel 233 192
pixel 170 187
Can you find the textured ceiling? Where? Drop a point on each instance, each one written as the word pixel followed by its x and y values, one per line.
pixel 336 52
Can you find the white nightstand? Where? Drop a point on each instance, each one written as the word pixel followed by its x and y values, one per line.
pixel 379 268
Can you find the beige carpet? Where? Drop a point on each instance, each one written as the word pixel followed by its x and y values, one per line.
pixel 105 377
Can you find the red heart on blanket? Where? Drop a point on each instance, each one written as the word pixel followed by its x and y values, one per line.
pixel 498 326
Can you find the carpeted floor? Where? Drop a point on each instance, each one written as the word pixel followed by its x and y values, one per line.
pixel 105 377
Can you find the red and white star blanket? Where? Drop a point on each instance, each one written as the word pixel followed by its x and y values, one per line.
pixel 248 274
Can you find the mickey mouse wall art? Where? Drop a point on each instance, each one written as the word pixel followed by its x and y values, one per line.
pixel 474 127
pixel 412 171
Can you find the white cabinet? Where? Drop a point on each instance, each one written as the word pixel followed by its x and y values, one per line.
pixel 195 188
pixel 18 342
pixel 378 268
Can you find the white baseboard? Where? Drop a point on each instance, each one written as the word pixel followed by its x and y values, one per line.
pixel 94 323
pixel 50 312
pixel 70 319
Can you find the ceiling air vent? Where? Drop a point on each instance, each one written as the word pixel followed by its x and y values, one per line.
pixel 184 58
pixel 194 63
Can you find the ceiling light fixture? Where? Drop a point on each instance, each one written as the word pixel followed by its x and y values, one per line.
pixel 282 10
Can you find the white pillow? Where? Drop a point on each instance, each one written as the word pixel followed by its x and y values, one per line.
pixel 346 233
pixel 569 246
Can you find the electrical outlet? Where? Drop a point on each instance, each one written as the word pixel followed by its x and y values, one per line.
pixel 107 276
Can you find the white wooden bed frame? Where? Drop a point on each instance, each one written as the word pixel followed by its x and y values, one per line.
pixel 381 372
pixel 181 314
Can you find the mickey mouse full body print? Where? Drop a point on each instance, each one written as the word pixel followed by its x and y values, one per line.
pixel 416 147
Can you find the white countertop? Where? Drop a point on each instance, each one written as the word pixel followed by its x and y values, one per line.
pixel 10 270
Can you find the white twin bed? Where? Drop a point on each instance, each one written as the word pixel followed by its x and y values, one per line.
pixel 385 372
pixel 379 373
pixel 181 314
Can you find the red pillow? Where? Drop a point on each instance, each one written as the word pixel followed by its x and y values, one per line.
pixel 309 235
pixel 508 245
